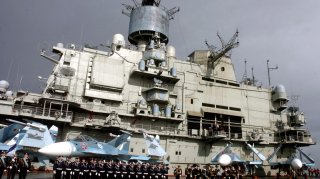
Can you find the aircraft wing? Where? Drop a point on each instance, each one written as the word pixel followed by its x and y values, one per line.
pixel 4 146
pixel 32 137
pixel 254 150
pixel 9 132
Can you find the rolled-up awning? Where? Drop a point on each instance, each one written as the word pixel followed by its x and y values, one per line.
pixel 195 113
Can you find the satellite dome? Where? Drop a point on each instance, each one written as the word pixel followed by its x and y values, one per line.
pixel 9 93
pixel 118 39
pixel 4 85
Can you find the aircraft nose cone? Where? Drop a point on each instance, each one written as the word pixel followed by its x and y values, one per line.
pixel 57 149
pixel 296 163
pixel 224 160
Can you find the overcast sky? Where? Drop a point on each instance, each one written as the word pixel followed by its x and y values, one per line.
pixel 286 32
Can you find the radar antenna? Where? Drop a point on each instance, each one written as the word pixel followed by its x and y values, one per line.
pixel 269 69
pixel 172 11
pixel 215 55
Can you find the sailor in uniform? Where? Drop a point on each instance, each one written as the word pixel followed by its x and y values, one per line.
pixel 157 172
pixel 116 170
pixel 152 171
pixel 67 168
pixel 108 169
pixel 101 173
pixel 3 163
pixel 75 169
pixel 57 168
pixel 12 167
pixel 24 166
pixel 123 170
pixel 84 170
pixel 138 171
pixel 165 171
pixel 131 171
pixel 145 171
pixel 178 172
pixel 92 168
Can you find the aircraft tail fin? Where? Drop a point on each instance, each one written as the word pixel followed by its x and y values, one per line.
pixel 54 132
pixel 153 145
pixel 121 142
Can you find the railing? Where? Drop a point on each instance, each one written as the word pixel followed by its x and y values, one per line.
pixel 41 112
pixel 157 129
pixel 294 138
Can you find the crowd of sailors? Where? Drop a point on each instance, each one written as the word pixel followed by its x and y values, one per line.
pixel 100 169
pixel 313 172
pixel 210 171
pixel 14 165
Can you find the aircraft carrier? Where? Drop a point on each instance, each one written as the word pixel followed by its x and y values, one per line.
pixel 196 106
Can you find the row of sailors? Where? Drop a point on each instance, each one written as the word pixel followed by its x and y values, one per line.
pixel 99 169
pixel 214 171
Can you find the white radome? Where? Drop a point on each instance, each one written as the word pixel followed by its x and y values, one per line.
pixel 224 160
pixel 296 164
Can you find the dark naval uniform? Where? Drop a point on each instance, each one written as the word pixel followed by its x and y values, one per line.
pixel 12 168
pixel 93 170
pixel 84 170
pixel 75 169
pixel 101 173
pixel 57 168
pixel 24 166
pixel 3 163
pixel 108 169
pixel 67 168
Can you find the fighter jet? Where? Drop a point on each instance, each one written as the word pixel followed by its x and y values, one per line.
pixel 226 157
pixel 30 137
pixel 25 136
pixel 153 145
pixel 84 145
pixel 294 161
pixel 21 137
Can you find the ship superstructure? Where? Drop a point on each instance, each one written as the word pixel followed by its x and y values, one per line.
pixel 197 106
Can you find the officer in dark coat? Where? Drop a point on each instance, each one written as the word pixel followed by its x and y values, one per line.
pixel 24 166
pixel 84 170
pixel 57 168
pixel 92 168
pixel 178 172
pixel 116 169
pixel 3 163
pixel 101 173
pixel 123 170
pixel 75 169
pixel 108 169
pixel 67 168
pixel 131 170
pixel 12 167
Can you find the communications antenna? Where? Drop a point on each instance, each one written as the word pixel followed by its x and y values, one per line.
pixel 245 74
pixel 269 69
